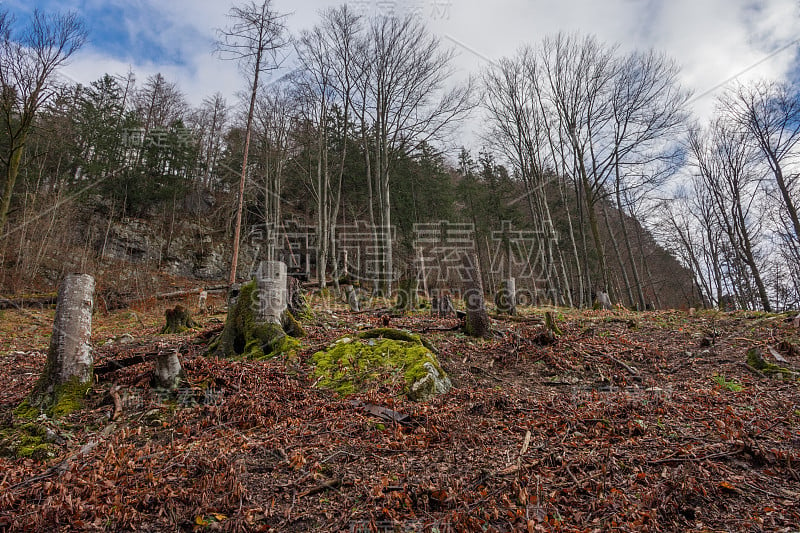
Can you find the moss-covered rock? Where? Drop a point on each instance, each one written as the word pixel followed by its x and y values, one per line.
pixel 351 364
pixel 243 337
pixel 756 360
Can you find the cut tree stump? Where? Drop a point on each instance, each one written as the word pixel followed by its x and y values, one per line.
pixel 506 297
pixel 602 301
pixel 442 306
pixel 272 294
pixel 476 323
pixel 168 371
pixel 179 319
pixel 352 298
pixel 407 295
pixel 258 318
pixel 67 375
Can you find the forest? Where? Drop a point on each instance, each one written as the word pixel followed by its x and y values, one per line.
pixel 592 151
pixel 313 306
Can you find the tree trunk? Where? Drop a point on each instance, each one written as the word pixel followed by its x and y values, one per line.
pixel 68 371
pixel 295 300
pixel 442 305
pixel 476 323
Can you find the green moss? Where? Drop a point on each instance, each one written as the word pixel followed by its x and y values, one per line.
pixel 26 411
pixel 63 400
pixel 68 398
pixel 292 326
pixel 25 440
pixel 757 361
pixel 397 335
pixel 351 364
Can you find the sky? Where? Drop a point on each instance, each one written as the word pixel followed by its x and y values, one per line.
pixel 714 41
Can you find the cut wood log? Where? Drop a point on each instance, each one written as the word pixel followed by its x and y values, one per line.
pixel 34 301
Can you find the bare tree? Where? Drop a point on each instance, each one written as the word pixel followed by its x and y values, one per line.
pixel 725 163
pixel 210 121
pixel 30 57
pixel 327 56
pixel 275 115
pixel 404 105
pixel 770 113
pixel 254 39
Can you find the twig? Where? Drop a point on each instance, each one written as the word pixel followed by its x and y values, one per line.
pixel 737 451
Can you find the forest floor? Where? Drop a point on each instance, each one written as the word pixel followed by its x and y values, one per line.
pixel 630 422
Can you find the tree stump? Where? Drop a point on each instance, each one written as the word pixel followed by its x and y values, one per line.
pixel 602 301
pixel 476 323
pixel 202 306
pixel 352 298
pixel 254 327
pixel 67 375
pixel 272 293
pixel 179 319
pixel 407 294
pixel 296 302
pixel 168 371
pixel 506 297
pixel 442 306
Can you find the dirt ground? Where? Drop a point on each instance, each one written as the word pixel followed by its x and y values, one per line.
pixel 628 422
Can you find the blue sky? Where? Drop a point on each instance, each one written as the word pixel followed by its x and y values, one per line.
pixel 712 39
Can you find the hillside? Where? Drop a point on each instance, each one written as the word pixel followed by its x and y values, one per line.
pixel 630 421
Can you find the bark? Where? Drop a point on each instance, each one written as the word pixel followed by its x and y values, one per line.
pixel 272 294
pixel 506 297
pixel 168 371
pixel 442 306
pixel 68 371
pixel 407 294
pixel 295 300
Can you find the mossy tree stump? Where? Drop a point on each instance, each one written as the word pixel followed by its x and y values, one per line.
pixel 68 372
pixel 179 319
pixel 258 319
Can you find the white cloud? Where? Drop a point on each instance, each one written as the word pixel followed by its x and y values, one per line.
pixel 712 39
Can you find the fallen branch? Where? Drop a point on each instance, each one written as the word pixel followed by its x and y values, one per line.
pixel 19 303
pixel 112 366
